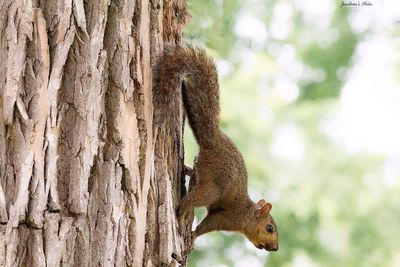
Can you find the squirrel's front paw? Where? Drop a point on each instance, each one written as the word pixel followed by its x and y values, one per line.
pixel 180 219
pixel 184 216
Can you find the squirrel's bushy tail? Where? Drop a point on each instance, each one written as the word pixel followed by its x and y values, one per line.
pixel 192 70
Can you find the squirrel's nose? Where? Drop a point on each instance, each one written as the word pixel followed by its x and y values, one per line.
pixel 273 247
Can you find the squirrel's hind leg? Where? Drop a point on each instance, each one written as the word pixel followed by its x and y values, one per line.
pixel 188 171
pixel 191 172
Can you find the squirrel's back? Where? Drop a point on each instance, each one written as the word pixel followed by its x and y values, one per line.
pixel 188 69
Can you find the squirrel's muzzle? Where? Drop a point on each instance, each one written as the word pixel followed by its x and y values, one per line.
pixel 268 247
pixel 274 247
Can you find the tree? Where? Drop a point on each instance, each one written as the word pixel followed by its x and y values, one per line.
pixel 85 179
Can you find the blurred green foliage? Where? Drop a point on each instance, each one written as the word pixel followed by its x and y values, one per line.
pixel 279 89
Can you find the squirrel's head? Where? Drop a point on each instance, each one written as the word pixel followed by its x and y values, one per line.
pixel 261 229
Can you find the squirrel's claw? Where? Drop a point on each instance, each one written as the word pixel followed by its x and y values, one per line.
pixel 191 241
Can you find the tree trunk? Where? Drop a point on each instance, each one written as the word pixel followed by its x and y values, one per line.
pixel 84 179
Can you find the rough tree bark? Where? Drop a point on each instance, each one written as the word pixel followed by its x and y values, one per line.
pixel 85 180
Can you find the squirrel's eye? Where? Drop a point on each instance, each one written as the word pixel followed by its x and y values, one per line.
pixel 270 228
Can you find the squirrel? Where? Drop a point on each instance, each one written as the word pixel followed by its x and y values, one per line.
pixel 219 171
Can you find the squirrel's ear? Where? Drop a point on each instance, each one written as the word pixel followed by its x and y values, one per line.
pixel 261 203
pixel 266 208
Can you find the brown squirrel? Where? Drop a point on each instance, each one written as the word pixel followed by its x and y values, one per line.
pixel 220 172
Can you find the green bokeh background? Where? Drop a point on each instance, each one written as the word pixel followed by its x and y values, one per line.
pixel 331 205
